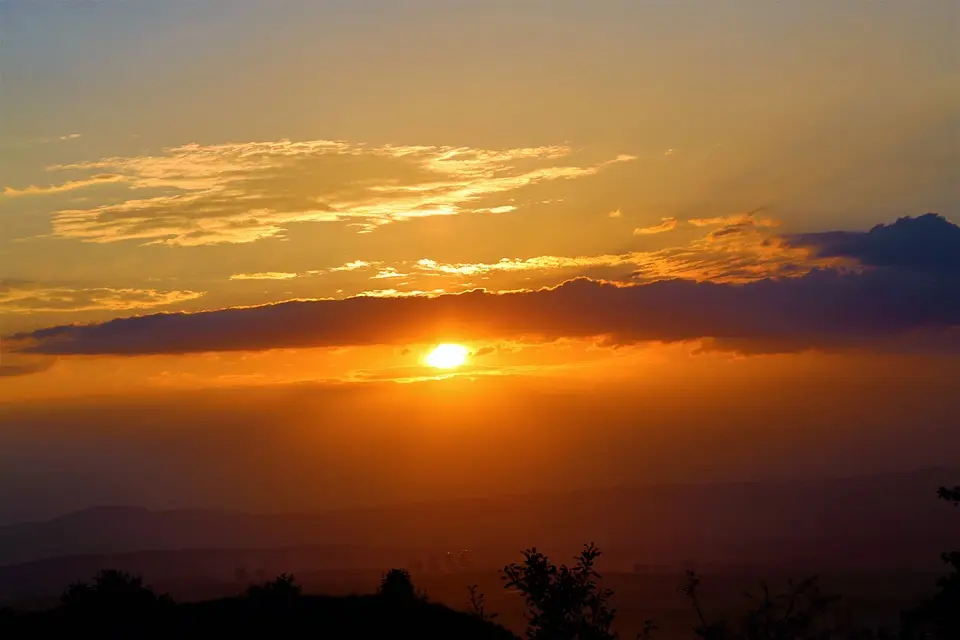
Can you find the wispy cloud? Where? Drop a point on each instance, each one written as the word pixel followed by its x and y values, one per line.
pixel 355 265
pixel 29 297
pixel 616 213
pixel 264 275
pixel 395 293
pixel 666 224
pixel 751 218
pixel 736 252
pixel 92 181
pixel 237 193
pixel 738 249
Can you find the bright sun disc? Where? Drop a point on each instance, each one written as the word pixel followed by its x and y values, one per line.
pixel 447 356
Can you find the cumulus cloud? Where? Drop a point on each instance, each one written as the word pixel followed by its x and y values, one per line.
pixel 32 297
pixel 928 242
pixel 237 193
pixel 666 224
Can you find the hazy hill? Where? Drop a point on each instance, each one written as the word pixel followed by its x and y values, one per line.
pixel 892 519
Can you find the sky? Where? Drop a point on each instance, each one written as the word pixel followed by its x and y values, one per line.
pixel 678 240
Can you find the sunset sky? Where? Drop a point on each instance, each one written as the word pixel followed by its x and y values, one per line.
pixel 675 239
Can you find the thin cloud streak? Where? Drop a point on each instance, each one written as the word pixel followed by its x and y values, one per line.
pixel 265 275
pixel 666 224
pixel 28 297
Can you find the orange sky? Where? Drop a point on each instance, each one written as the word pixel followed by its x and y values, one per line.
pixel 607 201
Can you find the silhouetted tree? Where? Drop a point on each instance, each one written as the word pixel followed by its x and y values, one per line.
pixel 563 603
pixel 115 603
pixel 282 589
pixel 787 616
pixel 397 585
pixel 939 617
pixel 476 604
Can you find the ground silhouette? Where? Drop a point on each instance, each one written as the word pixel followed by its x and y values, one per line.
pixel 562 603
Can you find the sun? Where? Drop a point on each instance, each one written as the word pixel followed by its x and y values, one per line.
pixel 447 356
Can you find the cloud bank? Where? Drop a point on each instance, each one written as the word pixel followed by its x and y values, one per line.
pixel 821 309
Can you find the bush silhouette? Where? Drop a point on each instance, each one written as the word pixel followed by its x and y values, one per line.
pixel 563 603
pixel 938 618
pixel 476 605
pixel 792 615
pixel 281 589
pixel 115 603
pixel 397 585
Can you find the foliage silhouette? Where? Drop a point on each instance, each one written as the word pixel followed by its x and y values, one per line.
pixel 114 604
pixel 792 615
pixel 284 588
pixel 563 603
pixel 476 604
pixel 397 585
pixel 938 618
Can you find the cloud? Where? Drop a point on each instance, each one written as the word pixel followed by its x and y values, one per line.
pixel 24 368
pixel 264 275
pixel 71 136
pixel 32 297
pixel 389 272
pixel 396 293
pixel 92 181
pixel 821 309
pixel 356 264
pixel 738 219
pixel 666 224
pixel 738 252
pixel 928 242
pixel 238 193
pixel 616 213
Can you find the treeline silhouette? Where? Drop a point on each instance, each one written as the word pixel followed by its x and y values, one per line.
pixel 562 603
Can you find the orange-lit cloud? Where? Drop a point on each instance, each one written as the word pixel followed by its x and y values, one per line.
pixel 238 193
pixel 738 252
pixel 750 218
pixel 92 181
pixel 27 297
pixel 264 275
pixel 802 309
pixel 666 224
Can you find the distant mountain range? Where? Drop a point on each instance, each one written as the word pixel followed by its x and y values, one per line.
pixel 881 521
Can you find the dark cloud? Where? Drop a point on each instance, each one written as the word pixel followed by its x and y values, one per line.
pixel 12 369
pixel 928 242
pixel 823 309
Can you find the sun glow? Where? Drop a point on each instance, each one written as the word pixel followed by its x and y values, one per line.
pixel 447 356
